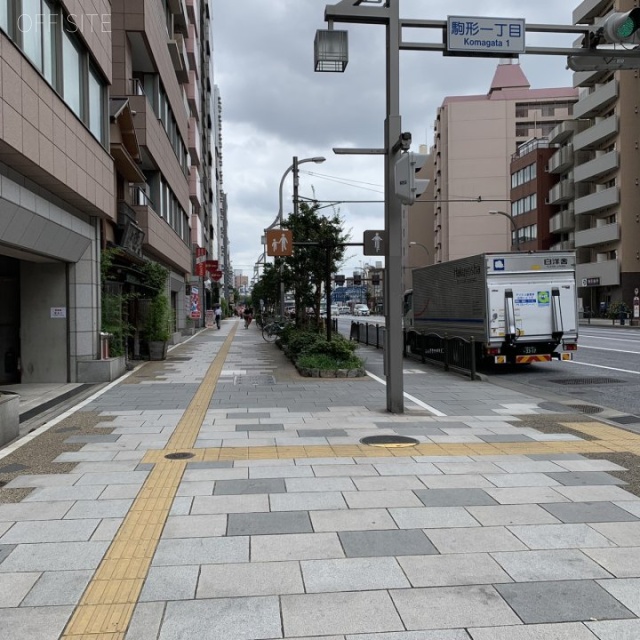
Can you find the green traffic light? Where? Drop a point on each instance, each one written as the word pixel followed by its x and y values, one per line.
pixel 627 28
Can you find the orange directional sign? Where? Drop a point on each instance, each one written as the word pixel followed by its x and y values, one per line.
pixel 279 242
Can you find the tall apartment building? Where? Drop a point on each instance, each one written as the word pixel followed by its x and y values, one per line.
pixel 604 175
pixel 105 131
pixel 475 138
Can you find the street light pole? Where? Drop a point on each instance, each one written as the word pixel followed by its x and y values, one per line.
pixel 513 225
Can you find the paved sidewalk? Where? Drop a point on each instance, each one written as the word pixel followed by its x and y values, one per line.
pixel 220 496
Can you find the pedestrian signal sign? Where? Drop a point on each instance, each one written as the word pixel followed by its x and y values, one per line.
pixel 279 242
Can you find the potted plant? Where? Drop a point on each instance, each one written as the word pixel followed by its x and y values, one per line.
pixel 157 327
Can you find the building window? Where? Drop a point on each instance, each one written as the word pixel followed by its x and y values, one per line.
pixel 30 27
pixel 4 15
pixel 71 74
pixel 96 105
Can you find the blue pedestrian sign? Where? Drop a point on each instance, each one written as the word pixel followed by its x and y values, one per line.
pixel 485 36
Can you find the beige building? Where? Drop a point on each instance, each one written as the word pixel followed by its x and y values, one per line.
pixel 603 175
pixel 474 141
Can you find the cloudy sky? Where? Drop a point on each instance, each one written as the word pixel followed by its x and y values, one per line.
pixel 275 107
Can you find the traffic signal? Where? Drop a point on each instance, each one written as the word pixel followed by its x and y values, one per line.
pixel 357 279
pixel 339 280
pixel 375 279
pixel 407 187
pixel 617 27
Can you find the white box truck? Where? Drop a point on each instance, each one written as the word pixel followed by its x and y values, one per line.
pixel 519 307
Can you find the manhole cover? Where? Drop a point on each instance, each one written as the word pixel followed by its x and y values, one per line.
pixel 585 408
pixel 389 441
pixel 179 455
pixel 577 381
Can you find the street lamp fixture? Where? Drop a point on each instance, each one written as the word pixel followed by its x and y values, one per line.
pixel 419 244
pixel 331 50
pixel 513 225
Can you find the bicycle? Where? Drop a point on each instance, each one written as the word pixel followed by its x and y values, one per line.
pixel 273 328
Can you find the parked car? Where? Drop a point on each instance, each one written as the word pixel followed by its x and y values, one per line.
pixel 360 310
pixel 344 310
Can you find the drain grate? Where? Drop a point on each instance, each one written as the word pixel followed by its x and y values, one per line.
pixel 179 455
pixel 585 408
pixel 389 441
pixel 578 381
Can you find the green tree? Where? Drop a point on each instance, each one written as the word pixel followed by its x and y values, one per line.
pixel 267 288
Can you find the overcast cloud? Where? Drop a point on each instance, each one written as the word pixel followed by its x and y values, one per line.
pixel 275 107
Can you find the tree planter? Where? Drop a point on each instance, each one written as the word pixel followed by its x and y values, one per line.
pixel 157 350
pixel 331 373
pixel 9 417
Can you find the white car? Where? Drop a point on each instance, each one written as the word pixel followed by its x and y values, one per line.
pixel 360 310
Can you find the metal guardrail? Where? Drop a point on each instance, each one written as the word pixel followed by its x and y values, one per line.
pixel 452 352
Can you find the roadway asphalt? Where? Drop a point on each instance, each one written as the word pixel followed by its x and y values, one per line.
pixel 220 495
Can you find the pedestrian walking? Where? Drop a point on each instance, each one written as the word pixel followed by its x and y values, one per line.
pixel 218 315
pixel 248 316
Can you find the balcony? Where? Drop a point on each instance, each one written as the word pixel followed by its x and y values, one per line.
pixel 604 199
pixel 563 132
pixel 193 52
pixel 178 53
pixel 600 166
pixel 195 188
pixel 561 160
pixel 588 10
pixel 597 101
pixel 193 12
pixel 179 11
pixel 193 94
pixel 607 273
pixel 589 78
pixel 597 134
pixel 567 245
pixel 598 235
pixel 561 192
pixel 562 221
pixel 195 149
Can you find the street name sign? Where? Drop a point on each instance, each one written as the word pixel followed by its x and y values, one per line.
pixel 485 36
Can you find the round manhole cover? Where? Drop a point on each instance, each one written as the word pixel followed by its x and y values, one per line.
pixel 389 441
pixel 179 455
pixel 585 408
pixel 578 381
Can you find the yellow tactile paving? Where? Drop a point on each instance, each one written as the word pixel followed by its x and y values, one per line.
pixel 106 607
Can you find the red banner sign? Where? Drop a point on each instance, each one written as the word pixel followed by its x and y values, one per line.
pixel 216 275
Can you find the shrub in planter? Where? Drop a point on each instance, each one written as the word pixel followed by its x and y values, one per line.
pixel 157 327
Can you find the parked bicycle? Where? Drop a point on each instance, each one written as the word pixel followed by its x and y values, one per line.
pixel 273 328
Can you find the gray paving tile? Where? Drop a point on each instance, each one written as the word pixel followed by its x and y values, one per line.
pixel 309 501
pixel 5 550
pixel 582 478
pixel 185 551
pixel 466 481
pixel 145 622
pixel 616 629
pixel 170 583
pixel 260 427
pixel 526 495
pixel 381 499
pixel 300 485
pixel 454 634
pixel 452 570
pixel 223 619
pixel 254 485
pixel 84 509
pixel 50 531
pixel 246 524
pixel 55 556
pixel 528 466
pixel 432 517
pixel 590 512
pixel 562 601
pixel 511 514
pixel 623 534
pixel 339 613
pixel 58 588
pixel 564 564
pixel 229 504
pixel 201 464
pixel 560 536
pixel 596 494
pixel 521 480
pixel 203 488
pixel 457 468
pixel 31 623
pixel 475 540
pixel 33 511
pixel 282 472
pixel 14 587
pixel 454 497
pixel 295 546
pixel 627 591
pixel 250 579
pixel 622 563
pixel 352 574
pixel 590 465
pixel 321 433
pixel 403 469
pixel 506 437
pixel 115 477
pixel 202 526
pixel 561 631
pixel 452 607
pixel 388 483
pixel 358 544
pixel 92 438
pixel 356 520
pixel 52 494
pixel 335 470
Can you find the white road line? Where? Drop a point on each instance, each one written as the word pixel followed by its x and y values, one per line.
pixel 600 366
pixel 408 396
pixel 582 346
